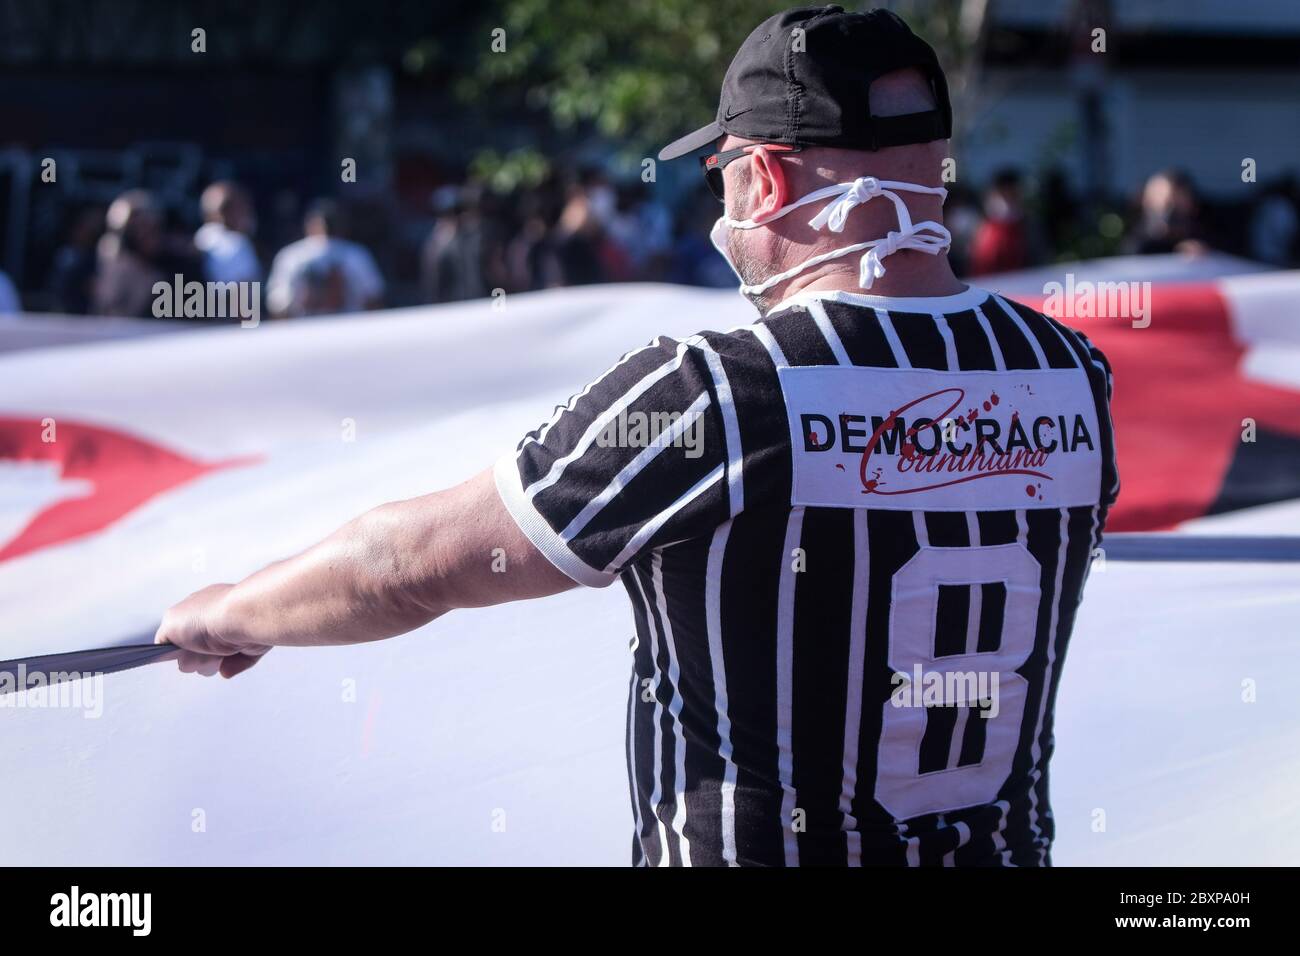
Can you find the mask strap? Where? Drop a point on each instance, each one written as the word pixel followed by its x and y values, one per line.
pixel 834 215
pixel 864 189
pixel 872 267
pixel 826 192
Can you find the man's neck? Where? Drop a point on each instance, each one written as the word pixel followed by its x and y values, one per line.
pixel 909 274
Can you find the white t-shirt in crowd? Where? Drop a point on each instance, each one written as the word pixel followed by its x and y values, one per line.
pixel 295 264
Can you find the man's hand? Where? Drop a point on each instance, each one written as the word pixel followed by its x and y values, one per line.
pixel 194 626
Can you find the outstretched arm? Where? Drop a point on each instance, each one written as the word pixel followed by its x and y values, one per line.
pixel 391 570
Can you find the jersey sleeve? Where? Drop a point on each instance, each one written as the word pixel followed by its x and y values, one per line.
pixel 635 461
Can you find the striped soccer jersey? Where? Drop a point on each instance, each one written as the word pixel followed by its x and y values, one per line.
pixel 854 534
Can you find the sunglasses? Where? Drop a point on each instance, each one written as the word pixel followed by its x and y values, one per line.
pixel 713 164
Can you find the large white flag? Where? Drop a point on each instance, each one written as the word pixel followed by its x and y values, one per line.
pixel 136 470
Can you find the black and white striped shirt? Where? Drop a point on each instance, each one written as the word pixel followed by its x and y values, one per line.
pixel 854 534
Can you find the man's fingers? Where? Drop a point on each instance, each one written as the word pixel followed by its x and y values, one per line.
pixel 192 662
pixel 180 628
pixel 238 663
pixel 202 647
pixel 190 623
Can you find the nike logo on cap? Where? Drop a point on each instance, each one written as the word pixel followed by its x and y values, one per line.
pixel 728 115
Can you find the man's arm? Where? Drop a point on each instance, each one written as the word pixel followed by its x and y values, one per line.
pixel 391 570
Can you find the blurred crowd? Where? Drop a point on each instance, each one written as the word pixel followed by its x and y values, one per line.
pixel 1010 227
pixel 113 258
pixel 579 231
pixel 587 229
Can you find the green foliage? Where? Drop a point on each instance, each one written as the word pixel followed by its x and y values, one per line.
pixel 640 71
pixel 635 73
pixel 518 169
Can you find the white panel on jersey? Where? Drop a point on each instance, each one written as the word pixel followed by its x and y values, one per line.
pixel 920 439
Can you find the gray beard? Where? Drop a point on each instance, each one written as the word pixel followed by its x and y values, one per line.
pixel 752 271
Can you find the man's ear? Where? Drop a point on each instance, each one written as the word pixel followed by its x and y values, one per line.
pixel 768 188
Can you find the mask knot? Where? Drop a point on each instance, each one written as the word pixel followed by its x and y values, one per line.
pixel 833 216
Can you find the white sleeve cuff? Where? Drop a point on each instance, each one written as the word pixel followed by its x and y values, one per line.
pixel 506 474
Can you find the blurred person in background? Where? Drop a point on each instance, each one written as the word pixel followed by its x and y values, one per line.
pixel 604 203
pixel 9 301
pixel 530 255
pixel 499 222
pixel 323 273
pixel 72 272
pixel 135 253
pixel 1170 218
pixel 1274 225
pixel 961 214
pixel 1058 211
pixel 1001 242
pixel 224 238
pixel 643 229
pixel 579 234
pixel 451 262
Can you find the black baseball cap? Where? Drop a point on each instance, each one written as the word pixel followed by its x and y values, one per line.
pixel 815 91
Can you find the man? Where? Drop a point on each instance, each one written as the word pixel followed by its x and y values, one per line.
pixel 135 253
pixel 855 538
pixel 453 258
pixel 223 239
pixel 1001 242
pixel 322 272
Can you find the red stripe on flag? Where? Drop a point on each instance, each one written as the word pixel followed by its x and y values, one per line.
pixel 1180 398
pixel 124 472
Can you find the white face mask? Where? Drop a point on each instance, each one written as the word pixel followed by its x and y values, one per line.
pixel 861 190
